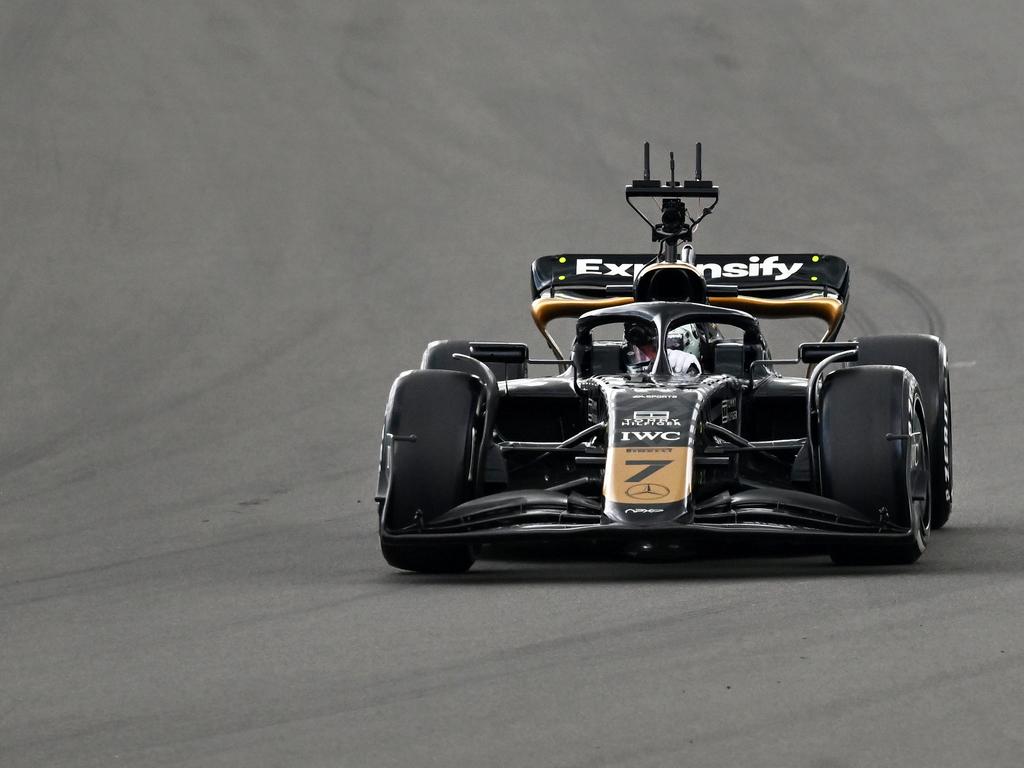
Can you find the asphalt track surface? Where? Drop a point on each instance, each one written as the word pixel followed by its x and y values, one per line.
pixel 224 229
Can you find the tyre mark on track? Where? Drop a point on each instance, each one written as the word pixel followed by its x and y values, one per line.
pixel 306 541
pixel 933 315
pixel 861 324
pixel 29 454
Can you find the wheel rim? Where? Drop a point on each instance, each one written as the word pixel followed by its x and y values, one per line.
pixel 918 479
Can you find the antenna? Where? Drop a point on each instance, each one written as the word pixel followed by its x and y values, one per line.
pixel 677 223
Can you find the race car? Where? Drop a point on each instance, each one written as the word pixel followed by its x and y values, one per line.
pixel 668 429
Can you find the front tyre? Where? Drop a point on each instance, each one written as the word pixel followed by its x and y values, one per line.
pixel 438 558
pixel 426 462
pixel 925 357
pixel 874 458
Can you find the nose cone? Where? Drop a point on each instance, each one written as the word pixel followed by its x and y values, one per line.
pixel 641 513
pixel 647 484
pixel 648 471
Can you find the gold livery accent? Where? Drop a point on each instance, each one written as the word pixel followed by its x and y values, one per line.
pixel 827 308
pixel 549 308
pixel 635 475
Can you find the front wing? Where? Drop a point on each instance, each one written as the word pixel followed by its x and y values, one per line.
pixel 756 515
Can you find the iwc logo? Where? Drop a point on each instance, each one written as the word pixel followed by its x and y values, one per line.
pixel 647 492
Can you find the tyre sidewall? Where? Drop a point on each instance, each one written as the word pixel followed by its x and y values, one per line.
pixel 926 358
pixel 860 466
pixel 428 476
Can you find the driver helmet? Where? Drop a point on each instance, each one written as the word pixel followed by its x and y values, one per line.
pixel 641 346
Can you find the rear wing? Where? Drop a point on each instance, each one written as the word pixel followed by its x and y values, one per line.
pixel 767 285
pixel 767 275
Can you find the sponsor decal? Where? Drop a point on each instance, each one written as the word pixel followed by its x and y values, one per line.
pixel 643 510
pixel 646 474
pixel 671 436
pixel 650 466
pixel 647 491
pixel 729 411
pixel 650 415
pixel 650 419
pixel 769 266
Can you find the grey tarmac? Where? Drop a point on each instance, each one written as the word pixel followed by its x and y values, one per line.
pixel 225 227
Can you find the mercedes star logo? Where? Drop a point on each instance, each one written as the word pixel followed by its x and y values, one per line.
pixel 647 491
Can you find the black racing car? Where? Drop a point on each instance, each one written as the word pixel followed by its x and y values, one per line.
pixel 669 428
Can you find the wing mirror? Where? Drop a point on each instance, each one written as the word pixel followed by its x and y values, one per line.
pixel 816 352
pixel 500 352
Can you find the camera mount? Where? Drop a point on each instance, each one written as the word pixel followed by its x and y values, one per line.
pixel 677 224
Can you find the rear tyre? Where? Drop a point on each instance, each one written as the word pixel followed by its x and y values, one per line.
pixel 874 458
pixel 428 475
pixel 925 357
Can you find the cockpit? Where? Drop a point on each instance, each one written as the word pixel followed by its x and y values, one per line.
pixel 682 347
pixel 630 341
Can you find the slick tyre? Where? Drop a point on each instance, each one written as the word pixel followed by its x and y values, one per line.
pixel 426 458
pixel 925 357
pixel 874 458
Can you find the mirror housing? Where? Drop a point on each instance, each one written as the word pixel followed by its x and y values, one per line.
pixel 816 352
pixel 508 353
